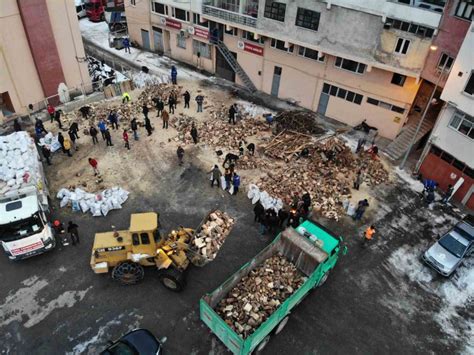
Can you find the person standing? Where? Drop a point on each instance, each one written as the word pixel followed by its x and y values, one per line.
pixel 113 119
pixel 160 105
pixel 72 229
pixel 125 139
pixel 258 212
pixel 148 126
pixel 216 176
pixel 448 193
pixel 134 127
pixel 227 178
pixel 361 207
pixel 251 148
pixel 57 118
pixel 236 183
pixel 145 110
pixel 166 117
pixel 232 112
pixel 126 45
pixel 108 138
pixel 72 137
pixel 46 153
pixel 74 128
pixel 241 148
pixel 360 145
pixel 61 141
pixel 95 166
pixel 199 100
pixel 171 103
pixel 358 179
pixel 93 132
pixel 194 133
pixel 125 97
pixel 67 146
pixel 282 217
pixel 306 198
pixel 39 126
pixel 187 98
pixel 102 128
pixel 180 153
pixel 174 75
pixel 51 110
pixel 368 235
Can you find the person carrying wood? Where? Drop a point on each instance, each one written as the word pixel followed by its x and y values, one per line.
pixel 216 175
pixel 368 235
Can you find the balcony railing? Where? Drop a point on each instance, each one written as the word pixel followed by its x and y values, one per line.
pixel 231 15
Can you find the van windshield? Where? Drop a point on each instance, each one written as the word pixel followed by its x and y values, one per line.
pixel 453 245
pixel 21 229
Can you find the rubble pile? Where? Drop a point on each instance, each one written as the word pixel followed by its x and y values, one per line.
pixel 298 121
pixel 249 162
pixel 286 145
pixel 258 294
pixel 163 90
pixel 212 234
pixel 375 172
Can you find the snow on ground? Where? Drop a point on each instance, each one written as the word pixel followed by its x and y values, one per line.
pixel 456 293
pixel 412 183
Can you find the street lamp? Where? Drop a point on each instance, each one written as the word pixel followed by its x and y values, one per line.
pixel 410 147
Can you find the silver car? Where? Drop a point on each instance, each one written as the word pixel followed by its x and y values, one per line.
pixel 449 251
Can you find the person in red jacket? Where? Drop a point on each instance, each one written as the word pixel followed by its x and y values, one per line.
pixel 51 111
pixel 94 165
pixel 125 139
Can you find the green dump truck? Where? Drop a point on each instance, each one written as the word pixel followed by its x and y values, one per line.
pixel 314 251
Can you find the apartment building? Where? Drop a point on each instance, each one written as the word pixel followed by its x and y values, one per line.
pixel 346 59
pixel 448 157
pixel 40 47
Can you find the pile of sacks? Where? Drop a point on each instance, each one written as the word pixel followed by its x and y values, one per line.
pixel 19 162
pixel 267 201
pixel 50 141
pixel 99 204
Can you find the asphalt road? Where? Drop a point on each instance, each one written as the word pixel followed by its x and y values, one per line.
pixel 55 304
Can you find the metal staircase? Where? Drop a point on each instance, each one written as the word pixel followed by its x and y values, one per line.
pixel 234 65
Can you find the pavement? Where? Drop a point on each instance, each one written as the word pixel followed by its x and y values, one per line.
pixel 378 299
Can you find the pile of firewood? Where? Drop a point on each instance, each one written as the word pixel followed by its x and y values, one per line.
pixel 249 162
pixel 212 234
pixel 163 90
pixel 286 144
pixel 298 121
pixel 259 294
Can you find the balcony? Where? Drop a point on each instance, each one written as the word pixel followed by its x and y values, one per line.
pixel 241 12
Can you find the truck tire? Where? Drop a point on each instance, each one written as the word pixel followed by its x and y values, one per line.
pixel 128 273
pixel 172 279
pixel 281 325
pixel 323 279
pixel 262 345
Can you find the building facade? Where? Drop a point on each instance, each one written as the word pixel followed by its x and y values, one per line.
pixel 40 47
pixel 448 158
pixel 346 59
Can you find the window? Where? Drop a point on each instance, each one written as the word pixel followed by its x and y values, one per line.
pixel 145 238
pixel 448 158
pixel 469 172
pixel 445 61
pixel 398 79
pixel 402 46
pixel 436 151
pixel 464 9
pixel 276 43
pixel 458 164
pixel 409 27
pixel 310 53
pixel 202 48
pixel 385 105
pixel 350 65
pixel 180 14
pixel 135 240
pixel 181 41
pixel 196 21
pixel 463 123
pixel 249 36
pixel 307 19
pixel 275 10
pixel 159 8
pixel 469 89
pixel 342 93
pixel 233 31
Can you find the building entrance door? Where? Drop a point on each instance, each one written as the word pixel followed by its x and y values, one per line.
pixel 323 103
pixel 145 40
pixel 166 39
pixel 223 69
pixel 158 39
pixel 276 80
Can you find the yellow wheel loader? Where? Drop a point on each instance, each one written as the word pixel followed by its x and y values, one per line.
pixel 127 252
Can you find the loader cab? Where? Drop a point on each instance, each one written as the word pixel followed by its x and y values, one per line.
pixel 144 233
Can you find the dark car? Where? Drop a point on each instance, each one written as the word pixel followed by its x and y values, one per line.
pixel 451 249
pixel 136 342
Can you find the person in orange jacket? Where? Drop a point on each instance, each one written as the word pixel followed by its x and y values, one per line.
pixel 368 235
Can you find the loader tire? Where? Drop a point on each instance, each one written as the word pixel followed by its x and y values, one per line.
pixel 128 273
pixel 172 279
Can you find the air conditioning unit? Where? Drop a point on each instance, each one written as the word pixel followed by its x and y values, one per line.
pixel 191 30
pixel 240 45
pixel 184 33
pixel 162 20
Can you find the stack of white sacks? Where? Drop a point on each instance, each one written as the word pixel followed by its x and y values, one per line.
pixel 19 163
pixel 50 141
pixel 265 199
pixel 98 204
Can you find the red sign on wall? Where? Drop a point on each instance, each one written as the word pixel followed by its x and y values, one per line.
pixel 201 32
pixel 252 48
pixel 173 24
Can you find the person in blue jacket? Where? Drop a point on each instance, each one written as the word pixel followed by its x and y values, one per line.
pixel 236 183
pixel 126 45
pixel 174 75
pixel 102 128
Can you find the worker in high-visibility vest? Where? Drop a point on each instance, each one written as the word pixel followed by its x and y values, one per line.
pixel 368 235
pixel 125 97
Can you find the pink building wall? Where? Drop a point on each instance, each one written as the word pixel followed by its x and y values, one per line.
pixel 450 36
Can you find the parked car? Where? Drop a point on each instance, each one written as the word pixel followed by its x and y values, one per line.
pixel 80 9
pixel 451 249
pixel 136 342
